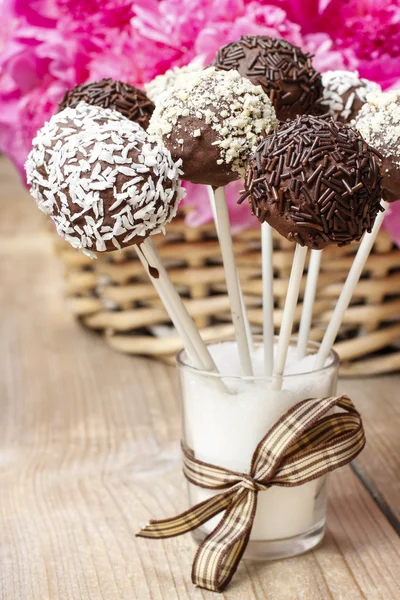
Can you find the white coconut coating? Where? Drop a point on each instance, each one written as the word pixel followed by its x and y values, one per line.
pixel 174 76
pixel 101 179
pixel 345 92
pixel 237 111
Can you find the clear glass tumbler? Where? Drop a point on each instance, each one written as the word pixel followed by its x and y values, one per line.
pixel 223 427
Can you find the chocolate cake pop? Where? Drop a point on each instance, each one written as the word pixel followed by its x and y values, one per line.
pixel 107 93
pixel 105 186
pixel 379 123
pixel 213 121
pixel 316 181
pixel 345 93
pixel 283 70
pixel 174 76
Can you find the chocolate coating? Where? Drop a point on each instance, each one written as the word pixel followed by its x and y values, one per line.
pixel 101 179
pixel 391 178
pixel 116 95
pixel 345 93
pixel 379 123
pixel 316 181
pixel 200 155
pixel 212 121
pixel 283 70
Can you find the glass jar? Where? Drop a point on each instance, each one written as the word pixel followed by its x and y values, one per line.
pixel 224 417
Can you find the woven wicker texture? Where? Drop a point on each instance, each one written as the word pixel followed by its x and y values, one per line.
pixel 113 295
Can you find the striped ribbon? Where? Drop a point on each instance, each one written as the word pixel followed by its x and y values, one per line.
pixel 304 444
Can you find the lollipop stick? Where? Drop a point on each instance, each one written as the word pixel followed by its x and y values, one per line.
pixel 246 319
pixel 348 289
pixel 288 314
pixel 268 297
pixel 184 324
pixel 308 303
pixel 232 281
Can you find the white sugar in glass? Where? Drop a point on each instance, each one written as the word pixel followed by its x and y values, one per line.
pixel 224 427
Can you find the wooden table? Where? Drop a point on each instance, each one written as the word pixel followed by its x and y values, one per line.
pixel 89 451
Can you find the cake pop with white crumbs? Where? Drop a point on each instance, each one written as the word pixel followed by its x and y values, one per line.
pixel 172 77
pixel 345 93
pixel 212 121
pixel 100 178
pixel 379 124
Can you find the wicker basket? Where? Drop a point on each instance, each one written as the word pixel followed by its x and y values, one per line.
pixel 113 295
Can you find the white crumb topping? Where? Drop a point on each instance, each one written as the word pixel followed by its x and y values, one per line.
pixel 101 179
pixel 379 123
pixel 174 76
pixel 231 105
pixel 337 84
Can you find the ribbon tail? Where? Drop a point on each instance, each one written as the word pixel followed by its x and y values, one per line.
pixel 190 519
pixel 219 554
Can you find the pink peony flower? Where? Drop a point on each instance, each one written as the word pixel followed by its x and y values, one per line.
pixel 392 222
pixel 255 19
pixel 54 46
pixel 371 28
pixel 326 57
pixel 47 46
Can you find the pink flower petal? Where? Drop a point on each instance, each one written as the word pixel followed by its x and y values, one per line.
pixel 392 222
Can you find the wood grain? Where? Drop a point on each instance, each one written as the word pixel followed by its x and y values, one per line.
pixel 89 451
pixel 379 401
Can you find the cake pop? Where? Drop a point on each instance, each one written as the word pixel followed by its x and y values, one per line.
pixel 100 178
pixel 213 121
pixel 174 76
pixel 379 124
pixel 316 181
pixel 283 70
pixel 345 93
pixel 107 93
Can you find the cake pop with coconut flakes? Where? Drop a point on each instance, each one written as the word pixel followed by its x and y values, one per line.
pixel 116 95
pixel 101 179
pixel 316 181
pixel 212 121
pixel 345 93
pixel 283 70
pixel 379 124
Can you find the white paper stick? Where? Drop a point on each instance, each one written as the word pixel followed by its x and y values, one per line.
pixel 288 314
pixel 182 321
pixel 268 297
pixel 308 303
pixel 232 281
pixel 348 290
pixel 250 340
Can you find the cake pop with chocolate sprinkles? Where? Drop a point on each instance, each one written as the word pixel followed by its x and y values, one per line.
pixel 213 121
pixel 316 181
pixel 283 70
pixel 107 185
pixel 116 95
pixel 174 76
pixel 345 93
pixel 379 124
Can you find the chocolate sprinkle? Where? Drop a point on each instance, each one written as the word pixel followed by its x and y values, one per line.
pixel 107 93
pixel 317 201
pixel 284 72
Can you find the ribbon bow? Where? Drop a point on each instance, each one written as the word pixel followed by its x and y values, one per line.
pixel 305 443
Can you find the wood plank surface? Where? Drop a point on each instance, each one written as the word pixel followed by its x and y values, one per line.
pixel 379 464
pixel 89 452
